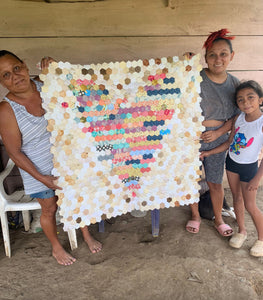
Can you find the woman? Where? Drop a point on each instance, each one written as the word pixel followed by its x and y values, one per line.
pixel 218 106
pixel 24 134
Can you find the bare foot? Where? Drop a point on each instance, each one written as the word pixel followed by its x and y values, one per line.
pixel 94 245
pixel 62 257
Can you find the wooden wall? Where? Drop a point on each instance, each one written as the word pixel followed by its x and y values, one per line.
pixel 114 30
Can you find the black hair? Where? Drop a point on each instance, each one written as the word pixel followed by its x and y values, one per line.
pixel 250 84
pixel 227 41
pixel 5 52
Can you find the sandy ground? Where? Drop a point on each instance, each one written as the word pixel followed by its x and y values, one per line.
pixel 134 265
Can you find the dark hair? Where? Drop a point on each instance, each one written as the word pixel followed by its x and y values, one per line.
pixel 5 52
pixel 227 41
pixel 250 84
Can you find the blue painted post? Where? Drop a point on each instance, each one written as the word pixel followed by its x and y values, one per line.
pixel 101 226
pixel 155 213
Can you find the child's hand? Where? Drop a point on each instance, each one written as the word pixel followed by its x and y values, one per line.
pixel 209 136
pixel 253 184
pixel 204 154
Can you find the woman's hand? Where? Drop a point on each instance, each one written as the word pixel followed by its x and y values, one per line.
pixel 209 136
pixel 188 55
pixel 49 181
pixel 45 61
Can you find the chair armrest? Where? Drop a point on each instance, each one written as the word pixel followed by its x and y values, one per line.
pixel 10 165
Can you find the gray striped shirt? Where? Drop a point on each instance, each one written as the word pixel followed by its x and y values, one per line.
pixel 35 144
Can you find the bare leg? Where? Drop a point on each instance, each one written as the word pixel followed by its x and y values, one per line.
pixel 217 198
pixel 48 224
pixel 94 245
pixel 253 210
pixel 238 202
pixel 195 217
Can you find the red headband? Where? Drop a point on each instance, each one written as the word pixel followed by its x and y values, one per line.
pixel 220 34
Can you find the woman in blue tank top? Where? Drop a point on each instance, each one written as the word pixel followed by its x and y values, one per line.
pixel 26 139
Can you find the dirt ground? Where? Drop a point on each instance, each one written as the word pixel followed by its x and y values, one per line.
pixel 134 265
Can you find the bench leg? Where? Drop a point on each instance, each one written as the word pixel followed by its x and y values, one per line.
pixel 155 213
pixel 101 226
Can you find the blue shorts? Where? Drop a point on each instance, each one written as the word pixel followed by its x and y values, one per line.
pixel 44 195
pixel 245 171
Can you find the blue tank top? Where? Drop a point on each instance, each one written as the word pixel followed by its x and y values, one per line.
pixel 35 144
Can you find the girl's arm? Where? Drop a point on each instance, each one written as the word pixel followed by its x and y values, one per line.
pixel 254 182
pixel 211 135
pixel 11 137
pixel 223 147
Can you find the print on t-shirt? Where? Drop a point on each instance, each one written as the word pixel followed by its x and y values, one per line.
pixel 239 142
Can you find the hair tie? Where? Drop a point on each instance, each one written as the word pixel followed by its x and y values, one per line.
pixel 220 34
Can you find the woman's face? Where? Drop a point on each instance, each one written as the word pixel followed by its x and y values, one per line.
pixel 218 57
pixel 13 74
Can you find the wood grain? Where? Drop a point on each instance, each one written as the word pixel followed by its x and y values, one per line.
pixel 99 50
pixel 23 18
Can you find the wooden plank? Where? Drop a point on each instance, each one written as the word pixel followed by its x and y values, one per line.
pixel 99 50
pixel 129 18
pixel 250 75
pixel 71 1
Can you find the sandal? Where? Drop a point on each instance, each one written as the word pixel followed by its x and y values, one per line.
pixel 223 228
pixel 257 249
pixel 228 212
pixel 237 240
pixel 194 225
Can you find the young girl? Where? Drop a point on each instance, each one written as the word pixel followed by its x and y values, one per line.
pixel 244 145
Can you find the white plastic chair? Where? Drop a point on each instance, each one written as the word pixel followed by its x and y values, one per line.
pixel 72 236
pixel 17 201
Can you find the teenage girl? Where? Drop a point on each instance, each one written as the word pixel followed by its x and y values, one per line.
pixel 244 145
pixel 218 108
